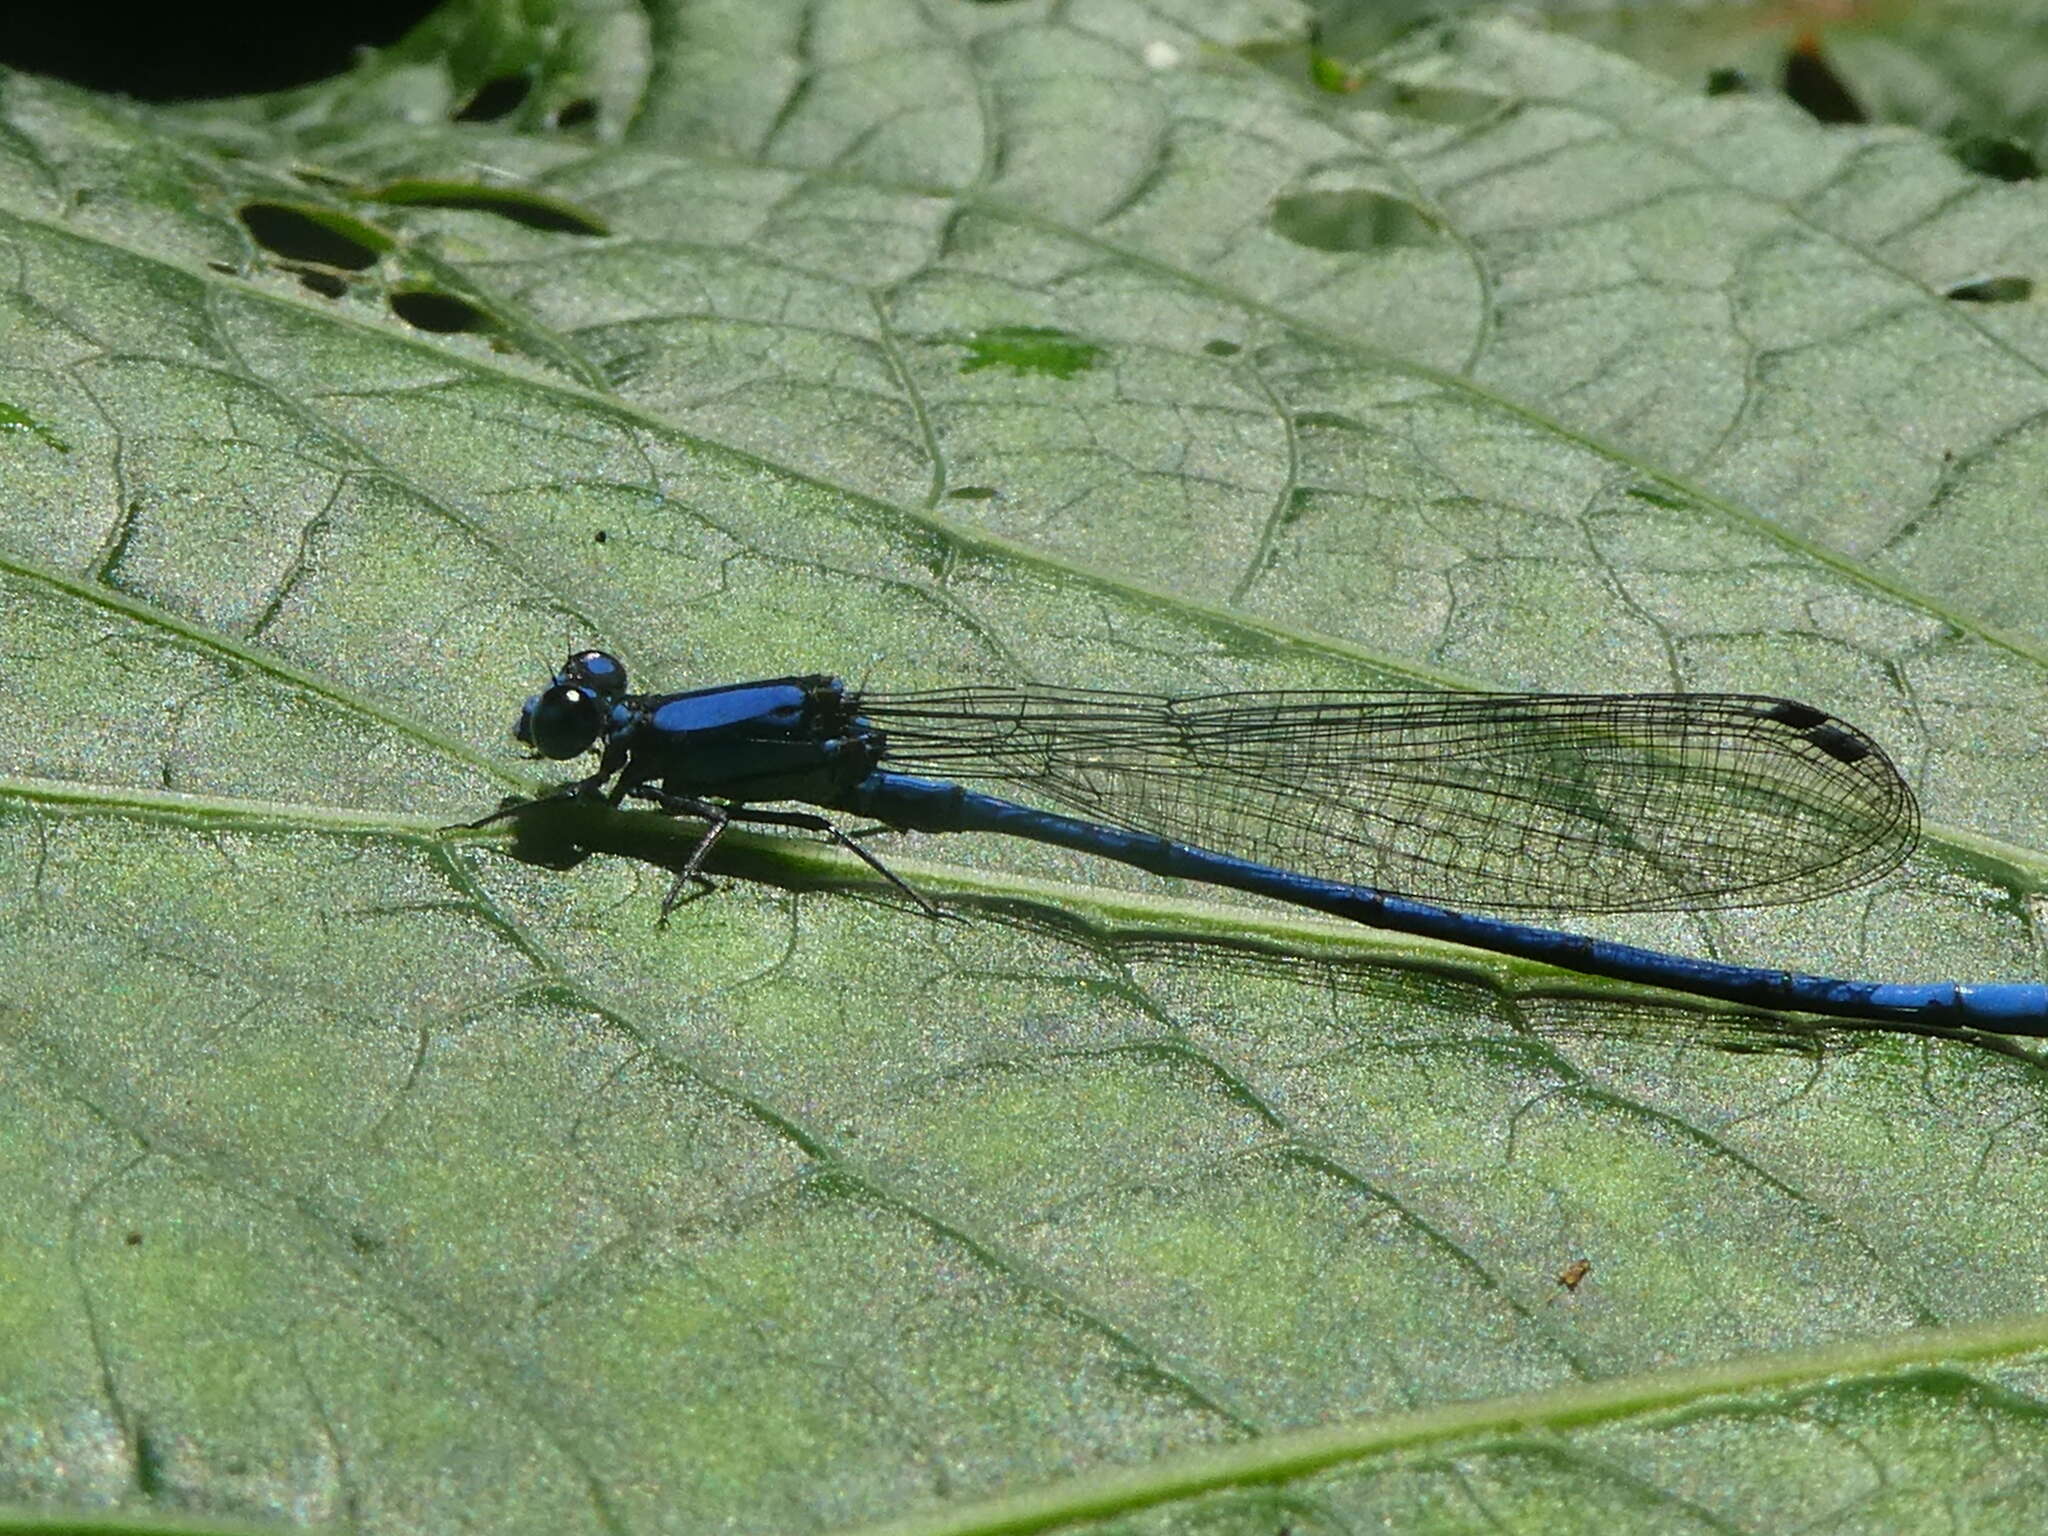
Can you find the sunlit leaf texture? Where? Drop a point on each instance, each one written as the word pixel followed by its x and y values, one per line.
pixel 361 1174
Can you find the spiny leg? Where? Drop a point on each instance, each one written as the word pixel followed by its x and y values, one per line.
pixel 613 762
pixel 722 816
pixel 716 819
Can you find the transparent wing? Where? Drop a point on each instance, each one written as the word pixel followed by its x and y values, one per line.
pixel 1558 802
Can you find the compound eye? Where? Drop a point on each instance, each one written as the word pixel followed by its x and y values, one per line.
pixel 599 671
pixel 563 722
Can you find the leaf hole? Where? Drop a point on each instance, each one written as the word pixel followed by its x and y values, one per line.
pixel 430 310
pixel 2003 159
pixel 496 98
pixel 304 232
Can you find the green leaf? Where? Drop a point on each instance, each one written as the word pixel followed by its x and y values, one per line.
pixel 363 1172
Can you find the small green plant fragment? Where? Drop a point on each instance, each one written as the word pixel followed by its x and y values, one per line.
pixel 308 232
pixel 1324 72
pixel 14 419
pixel 1028 349
pixel 1657 498
pixel 1332 421
pixel 1329 75
pixel 321 176
pixel 1366 31
pixel 522 205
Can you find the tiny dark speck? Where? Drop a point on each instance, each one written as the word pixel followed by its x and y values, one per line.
pixel 1993 290
pixel 599 537
pixel 133 1239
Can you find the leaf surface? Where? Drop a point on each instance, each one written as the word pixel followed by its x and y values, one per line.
pixel 365 1173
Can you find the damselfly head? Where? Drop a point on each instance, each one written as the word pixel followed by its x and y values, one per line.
pixel 563 722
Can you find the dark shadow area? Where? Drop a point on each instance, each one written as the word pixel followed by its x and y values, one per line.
pixel 200 49
pixel 1567 1013
pixel 498 97
pixel 303 232
pixel 431 311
